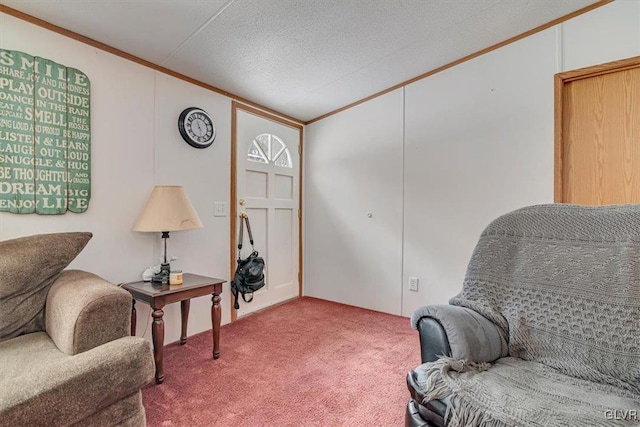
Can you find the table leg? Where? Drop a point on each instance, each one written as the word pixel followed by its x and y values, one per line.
pixel 215 323
pixel 184 311
pixel 157 333
pixel 134 318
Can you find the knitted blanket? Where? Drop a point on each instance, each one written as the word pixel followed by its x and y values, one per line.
pixel 562 282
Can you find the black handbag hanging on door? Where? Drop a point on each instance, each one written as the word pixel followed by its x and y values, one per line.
pixel 249 276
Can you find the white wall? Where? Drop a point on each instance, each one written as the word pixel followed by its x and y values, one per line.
pixel 136 144
pixel 122 153
pixel 606 34
pixel 354 167
pixel 477 142
pixel 205 174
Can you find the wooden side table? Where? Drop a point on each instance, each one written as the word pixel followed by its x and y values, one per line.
pixel 158 295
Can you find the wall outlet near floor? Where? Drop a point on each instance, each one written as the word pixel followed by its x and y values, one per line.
pixel 220 209
pixel 413 284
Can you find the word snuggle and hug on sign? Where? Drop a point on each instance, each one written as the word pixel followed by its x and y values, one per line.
pixel 45 136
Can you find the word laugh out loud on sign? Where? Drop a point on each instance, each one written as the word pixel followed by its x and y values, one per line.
pixel 45 136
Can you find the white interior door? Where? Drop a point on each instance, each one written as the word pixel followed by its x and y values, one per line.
pixel 267 183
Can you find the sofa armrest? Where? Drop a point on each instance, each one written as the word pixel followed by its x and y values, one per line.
pixel 433 340
pixel 468 334
pixel 73 388
pixel 84 311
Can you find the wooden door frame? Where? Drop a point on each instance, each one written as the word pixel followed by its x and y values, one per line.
pixel 235 106
pixel 560 80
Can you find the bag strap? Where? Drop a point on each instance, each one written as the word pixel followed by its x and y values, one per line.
pixel 241 232
pixel 244 218
pixel 235 293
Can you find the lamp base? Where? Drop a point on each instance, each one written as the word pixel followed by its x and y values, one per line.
pixel 163 276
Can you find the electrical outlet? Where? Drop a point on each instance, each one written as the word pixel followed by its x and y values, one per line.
pixel 220 209
pixel 413 284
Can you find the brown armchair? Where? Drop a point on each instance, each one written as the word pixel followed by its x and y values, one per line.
pixel 66 357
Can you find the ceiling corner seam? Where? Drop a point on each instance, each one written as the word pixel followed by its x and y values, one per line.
pixel 198 30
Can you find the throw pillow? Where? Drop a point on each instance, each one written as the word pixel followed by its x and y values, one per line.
pixel 28 268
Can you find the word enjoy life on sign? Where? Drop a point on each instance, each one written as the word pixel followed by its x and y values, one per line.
pixel 45 136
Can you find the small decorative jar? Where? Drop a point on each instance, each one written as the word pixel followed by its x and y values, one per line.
pixel 175 277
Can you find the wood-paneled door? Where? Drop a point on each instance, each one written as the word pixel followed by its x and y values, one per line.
pixel 597 151
pixel 266 186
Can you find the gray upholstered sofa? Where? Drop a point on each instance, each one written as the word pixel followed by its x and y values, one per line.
pixel 546 329
pixel 66 357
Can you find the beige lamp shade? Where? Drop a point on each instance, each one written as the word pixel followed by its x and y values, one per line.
pixel 168 209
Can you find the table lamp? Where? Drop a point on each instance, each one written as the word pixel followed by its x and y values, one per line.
pixel 168 209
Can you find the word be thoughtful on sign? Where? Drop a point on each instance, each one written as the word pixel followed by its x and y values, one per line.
pixel 45 136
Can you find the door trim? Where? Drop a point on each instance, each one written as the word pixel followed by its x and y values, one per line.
pixel 560 80
pixel 235 106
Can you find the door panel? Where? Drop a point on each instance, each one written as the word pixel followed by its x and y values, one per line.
pixel 284 187
pixel 282 262
pixel 267 182
pixel 256 184
pixel 600 140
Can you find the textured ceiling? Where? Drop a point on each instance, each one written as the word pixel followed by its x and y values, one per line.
pixel 303 58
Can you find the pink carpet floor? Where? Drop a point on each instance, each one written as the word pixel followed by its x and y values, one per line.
pixel 307 362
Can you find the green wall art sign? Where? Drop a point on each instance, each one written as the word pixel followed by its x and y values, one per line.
pixel 45 136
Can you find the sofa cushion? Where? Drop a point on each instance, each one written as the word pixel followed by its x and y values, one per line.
pixel 28 267
pixel 26 353
pixel 512 392
pixel 63 390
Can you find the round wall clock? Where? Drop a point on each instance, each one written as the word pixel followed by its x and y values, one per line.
pixel 196 127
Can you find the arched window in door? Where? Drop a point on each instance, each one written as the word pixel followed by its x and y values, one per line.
pixel 268 148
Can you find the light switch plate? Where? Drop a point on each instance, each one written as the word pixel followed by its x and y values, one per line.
pixel 220 209
pixel 413 284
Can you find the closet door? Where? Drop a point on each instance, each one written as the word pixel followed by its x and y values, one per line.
pixel 598 134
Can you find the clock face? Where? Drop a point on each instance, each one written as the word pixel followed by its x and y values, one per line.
pixel 197 127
